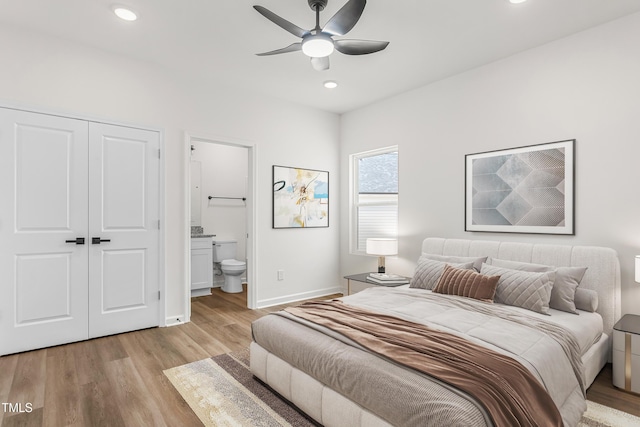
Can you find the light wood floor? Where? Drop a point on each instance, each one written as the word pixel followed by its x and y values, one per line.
pixel 118 380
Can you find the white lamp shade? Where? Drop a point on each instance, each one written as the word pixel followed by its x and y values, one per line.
pixel 381 247
pixel 638 268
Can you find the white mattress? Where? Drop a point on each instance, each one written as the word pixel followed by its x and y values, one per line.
pixel 587 327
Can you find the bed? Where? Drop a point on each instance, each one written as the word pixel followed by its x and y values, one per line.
pixel 338 381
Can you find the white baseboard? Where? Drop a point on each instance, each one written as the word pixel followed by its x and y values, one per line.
pixel 180 320
pixel 299 297
pixel 200 292
pixel 174 321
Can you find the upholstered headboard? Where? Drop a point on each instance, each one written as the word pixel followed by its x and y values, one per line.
pixel 603 273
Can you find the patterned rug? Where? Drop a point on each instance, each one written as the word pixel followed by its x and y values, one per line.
pixel 222 392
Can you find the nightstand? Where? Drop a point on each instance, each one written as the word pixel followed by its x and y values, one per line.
pixel 361 283
pixel 626 353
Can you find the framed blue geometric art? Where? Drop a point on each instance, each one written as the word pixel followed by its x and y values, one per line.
pixel 521 190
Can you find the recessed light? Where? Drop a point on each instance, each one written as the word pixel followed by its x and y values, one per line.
pixel 124 13
pixel 516 1
pixel 330 84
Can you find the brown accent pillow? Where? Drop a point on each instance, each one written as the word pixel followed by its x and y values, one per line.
pixel 467 283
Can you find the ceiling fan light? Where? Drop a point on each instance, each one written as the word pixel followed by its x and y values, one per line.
pixel 317 45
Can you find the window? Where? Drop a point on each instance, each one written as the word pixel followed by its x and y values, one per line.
pixel 374 196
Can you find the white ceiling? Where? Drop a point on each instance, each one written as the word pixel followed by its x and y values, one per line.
pixel 213 42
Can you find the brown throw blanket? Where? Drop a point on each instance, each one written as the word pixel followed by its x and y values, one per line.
pixel 508 391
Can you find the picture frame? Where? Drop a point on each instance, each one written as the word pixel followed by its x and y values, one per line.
pixel 300 197
pixel 527 189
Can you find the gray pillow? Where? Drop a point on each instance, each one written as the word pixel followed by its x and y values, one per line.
pixel 428 272
pixel 477 261
pixel 522 288
pixel 564 286
pixel 586 300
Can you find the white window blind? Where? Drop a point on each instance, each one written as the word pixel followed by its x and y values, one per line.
pixel 374 196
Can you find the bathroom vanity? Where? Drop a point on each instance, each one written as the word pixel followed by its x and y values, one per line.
pixel 201 265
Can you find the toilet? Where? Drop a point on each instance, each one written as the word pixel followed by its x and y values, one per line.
pixel 224 252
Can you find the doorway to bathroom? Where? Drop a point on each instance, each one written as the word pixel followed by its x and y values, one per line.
pixel 220 208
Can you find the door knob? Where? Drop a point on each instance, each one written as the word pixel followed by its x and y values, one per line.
pixel 77 241
pixel 97 240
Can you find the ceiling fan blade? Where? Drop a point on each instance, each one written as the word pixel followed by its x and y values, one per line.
pixel 320 64
pixel 359 47
pixel 281 22
pixel 345 19
pixel 291 48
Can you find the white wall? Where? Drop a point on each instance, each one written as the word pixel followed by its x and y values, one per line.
pixel 585 87
pixel 52 74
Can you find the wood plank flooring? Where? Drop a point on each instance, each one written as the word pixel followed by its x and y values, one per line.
pixel 118 380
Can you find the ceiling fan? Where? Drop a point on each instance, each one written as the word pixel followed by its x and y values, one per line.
pixel 318 43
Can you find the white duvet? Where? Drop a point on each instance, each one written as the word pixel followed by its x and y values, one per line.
pixel 535 349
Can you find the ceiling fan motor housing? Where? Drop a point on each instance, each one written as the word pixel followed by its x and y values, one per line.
pixel 317 4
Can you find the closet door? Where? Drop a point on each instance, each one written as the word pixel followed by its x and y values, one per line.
pixel 123 229
pixel 43 219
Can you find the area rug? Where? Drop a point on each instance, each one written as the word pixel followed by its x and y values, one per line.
pixel 222 392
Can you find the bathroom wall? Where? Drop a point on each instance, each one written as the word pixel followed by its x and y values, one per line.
pixel 224 171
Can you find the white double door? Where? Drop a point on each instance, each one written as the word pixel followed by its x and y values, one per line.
pixel 79 230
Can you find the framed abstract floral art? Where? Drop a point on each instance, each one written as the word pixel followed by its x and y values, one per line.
pixel 300 197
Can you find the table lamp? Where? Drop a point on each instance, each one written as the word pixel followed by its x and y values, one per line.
pixel 382 247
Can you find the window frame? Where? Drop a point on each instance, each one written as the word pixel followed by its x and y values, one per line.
pixel 354 202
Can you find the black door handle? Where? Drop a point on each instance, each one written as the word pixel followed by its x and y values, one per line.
pixel 97 240
pixel 77 241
